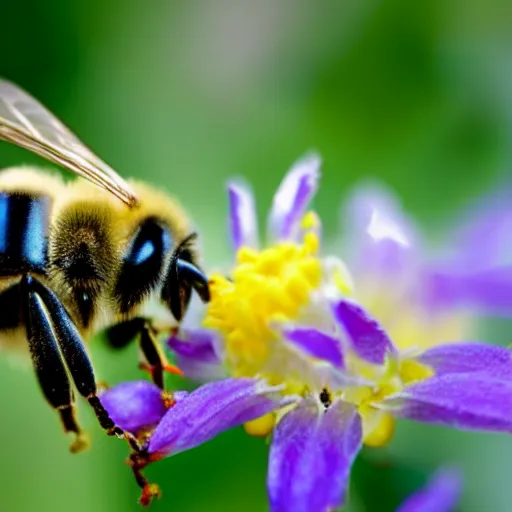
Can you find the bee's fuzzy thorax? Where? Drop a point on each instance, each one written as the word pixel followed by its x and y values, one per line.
pixel 158 204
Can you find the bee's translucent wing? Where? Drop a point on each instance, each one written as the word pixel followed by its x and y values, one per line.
pixel 26 123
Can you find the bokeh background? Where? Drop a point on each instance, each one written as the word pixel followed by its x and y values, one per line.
pixel 187 93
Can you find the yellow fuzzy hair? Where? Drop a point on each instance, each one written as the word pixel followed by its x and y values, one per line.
pixel 155 203
pixel 152 203
pixel 31 180
pixel 83 198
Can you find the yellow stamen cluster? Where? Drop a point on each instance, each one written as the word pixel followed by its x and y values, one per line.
pixel 267 286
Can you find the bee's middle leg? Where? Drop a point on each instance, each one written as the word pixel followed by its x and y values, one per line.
pixel 153 358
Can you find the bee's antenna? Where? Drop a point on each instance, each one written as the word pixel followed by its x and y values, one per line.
pixel 184 276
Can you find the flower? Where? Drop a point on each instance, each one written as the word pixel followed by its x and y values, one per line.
pixel 422 297
pixel 299 356
pixel 439 495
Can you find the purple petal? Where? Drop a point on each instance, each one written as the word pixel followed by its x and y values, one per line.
pixel 489 291
pixel 242 216
pixel 293 196
pixel 134 405
pixel 441 494
pixel 367 337
pixel 469 357
pixel 482 236
pixel 311 455
pixel 317 344
pixel 381 237
pixel 197 354
pixel 470 401
pixel 210 410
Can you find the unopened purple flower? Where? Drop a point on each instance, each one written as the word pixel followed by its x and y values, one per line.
pixel 135 406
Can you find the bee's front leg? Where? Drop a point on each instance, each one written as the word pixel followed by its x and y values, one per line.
pixel 48 364
pixel 67 339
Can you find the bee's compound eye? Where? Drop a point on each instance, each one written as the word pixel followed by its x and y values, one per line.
pixel 142 264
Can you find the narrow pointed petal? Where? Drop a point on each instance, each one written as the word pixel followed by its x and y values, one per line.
pixel 242 216
pixel 471 401
pixel 134 405
pixel 469 357
pixel 210 410
pixel 367 337
pixel 488 291
pixel 441 494
pixel 197 354
pixel 311 456
pixel 317 344
pixel 293 196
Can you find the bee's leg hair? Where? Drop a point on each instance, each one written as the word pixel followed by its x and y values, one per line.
pixel 75 355
pixel 48 364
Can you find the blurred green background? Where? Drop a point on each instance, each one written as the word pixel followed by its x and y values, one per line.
pixel 187 93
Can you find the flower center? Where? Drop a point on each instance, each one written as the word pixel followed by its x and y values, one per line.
pixel 266 287
pixel 378 426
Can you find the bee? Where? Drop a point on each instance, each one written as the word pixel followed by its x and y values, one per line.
pixel 83 256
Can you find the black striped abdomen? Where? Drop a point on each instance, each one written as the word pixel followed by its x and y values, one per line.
pixel 24 227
